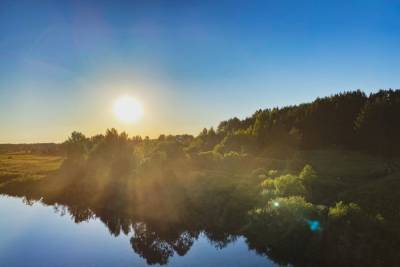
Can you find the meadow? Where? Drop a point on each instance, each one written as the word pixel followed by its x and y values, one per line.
pixel 22 166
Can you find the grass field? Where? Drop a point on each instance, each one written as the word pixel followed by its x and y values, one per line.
pixel 350 175
pixel 339 165
pixel 22 166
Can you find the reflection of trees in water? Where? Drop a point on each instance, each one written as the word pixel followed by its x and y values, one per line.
pixel 348 237
pixel 78 214
pixel 158 249
pixel 155 242
pixel 220 239
pixel 156 245
pixel 116 224
pixel 184 243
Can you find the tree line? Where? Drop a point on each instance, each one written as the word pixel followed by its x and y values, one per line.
pixel 349 120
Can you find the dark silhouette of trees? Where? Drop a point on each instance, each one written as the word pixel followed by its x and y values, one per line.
pixel 349 120
pixel 378 124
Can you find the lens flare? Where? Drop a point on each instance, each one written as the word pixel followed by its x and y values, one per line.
pixel 314 225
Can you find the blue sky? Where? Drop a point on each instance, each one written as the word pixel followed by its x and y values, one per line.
pixel 191 63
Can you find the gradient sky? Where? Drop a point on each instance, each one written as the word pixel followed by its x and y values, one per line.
pixel 191 63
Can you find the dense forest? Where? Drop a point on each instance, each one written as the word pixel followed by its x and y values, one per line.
pixel 309 185
pixel 349 120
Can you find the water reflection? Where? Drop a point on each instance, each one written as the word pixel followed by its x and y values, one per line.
pixel 163 219
pixel 156 243
pixel 158 249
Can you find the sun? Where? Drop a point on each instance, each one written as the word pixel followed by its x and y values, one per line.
pixel 127 109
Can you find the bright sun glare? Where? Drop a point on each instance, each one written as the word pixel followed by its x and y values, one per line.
pixel 127 109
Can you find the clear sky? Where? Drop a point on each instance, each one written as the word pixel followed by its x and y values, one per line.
pixel 190 63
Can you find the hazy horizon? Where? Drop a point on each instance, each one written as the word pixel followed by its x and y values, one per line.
pixel 156 135
pixel 64 64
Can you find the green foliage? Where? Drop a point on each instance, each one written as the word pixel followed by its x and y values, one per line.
pixel 377 124
pixel 282 221
pixel 377 196
pixel 289 185
pixel 343 211
pixel 354 236
pixel 172 149
pixel 76 146
pixel 308 174
pixel 209 159
pixel 273 173
pixel 283 186
pixel 259 173
pixel 240 141
pixel 350 120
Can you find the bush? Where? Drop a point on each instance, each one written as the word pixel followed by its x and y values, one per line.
pixel 288 227
pixel 283 186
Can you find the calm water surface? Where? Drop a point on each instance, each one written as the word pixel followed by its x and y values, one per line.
pixel 34 235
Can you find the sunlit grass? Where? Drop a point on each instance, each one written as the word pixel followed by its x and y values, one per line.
pixel 17 166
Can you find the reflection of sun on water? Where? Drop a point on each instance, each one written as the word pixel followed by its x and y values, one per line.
pixel 127 109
